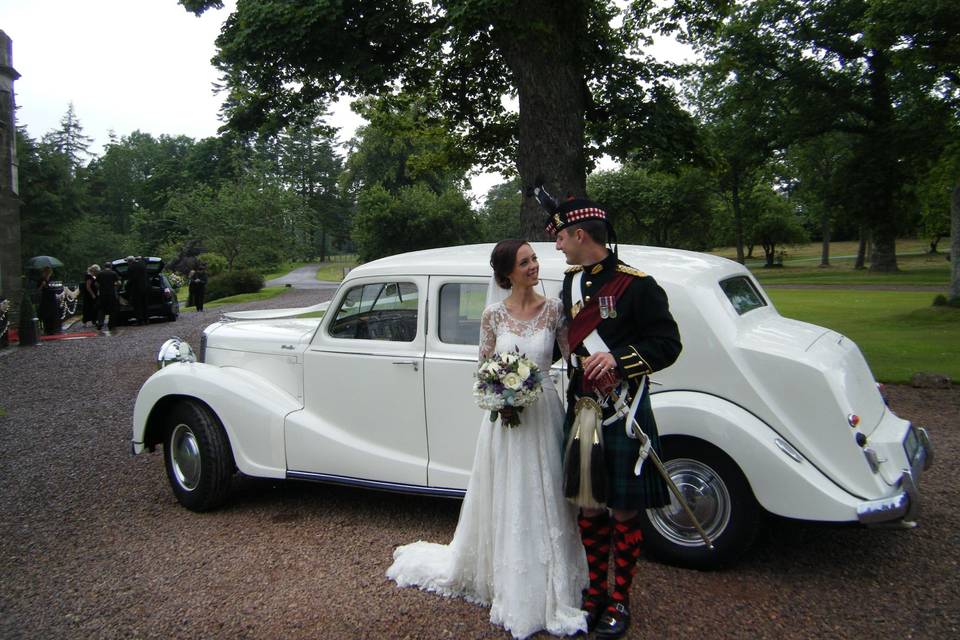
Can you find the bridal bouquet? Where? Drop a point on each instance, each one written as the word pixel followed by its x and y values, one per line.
pixel 506 383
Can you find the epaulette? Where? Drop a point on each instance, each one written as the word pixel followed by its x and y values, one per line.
pixel 622 268
pixel 574 268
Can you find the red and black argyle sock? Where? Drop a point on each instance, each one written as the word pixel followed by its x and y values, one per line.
pixel 595 535
pixel 627 540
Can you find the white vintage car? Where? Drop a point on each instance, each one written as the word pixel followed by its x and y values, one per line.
pixel 759 414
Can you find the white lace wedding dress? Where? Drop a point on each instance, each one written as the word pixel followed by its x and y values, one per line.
pixel 516 547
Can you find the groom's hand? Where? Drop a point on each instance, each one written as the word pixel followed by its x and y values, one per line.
pixel 599 365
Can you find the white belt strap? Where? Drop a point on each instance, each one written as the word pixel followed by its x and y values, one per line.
pixel 593 342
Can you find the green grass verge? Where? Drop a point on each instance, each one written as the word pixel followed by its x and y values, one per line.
pixel 899 333
pixel 3 412
pixel 333 271
pixel 264 294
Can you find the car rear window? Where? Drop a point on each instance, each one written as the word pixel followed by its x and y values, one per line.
pixel 742 294
pixel 461 305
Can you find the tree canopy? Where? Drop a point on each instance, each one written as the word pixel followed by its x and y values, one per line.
pixel 575 67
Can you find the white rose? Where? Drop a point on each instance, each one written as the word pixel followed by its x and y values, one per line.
pixel 512 381
pixel 510 357
pixel 524 372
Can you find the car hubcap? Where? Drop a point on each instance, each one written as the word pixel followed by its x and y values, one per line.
pixel 707 496
pixel 185 455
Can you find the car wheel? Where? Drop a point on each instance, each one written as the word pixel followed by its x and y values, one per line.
pixel 720 497
pixel 171 318
pixel 198 458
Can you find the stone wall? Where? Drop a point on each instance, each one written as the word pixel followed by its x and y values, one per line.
pixel 11 261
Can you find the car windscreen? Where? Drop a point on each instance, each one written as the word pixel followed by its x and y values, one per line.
pixel 742 294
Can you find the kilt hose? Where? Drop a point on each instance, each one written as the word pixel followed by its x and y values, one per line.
pixel 626 491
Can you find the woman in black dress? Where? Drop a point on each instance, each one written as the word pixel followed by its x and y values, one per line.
pixel 49 308
pixel 89 294
pixel 198 286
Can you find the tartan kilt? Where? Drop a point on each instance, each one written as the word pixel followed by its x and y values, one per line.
pixel 625 491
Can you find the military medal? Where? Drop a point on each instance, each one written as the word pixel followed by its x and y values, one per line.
pixel 613 307
pixel 604 306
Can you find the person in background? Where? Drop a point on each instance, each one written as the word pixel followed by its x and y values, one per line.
pixel 89 294
pixel 49 308
pixel 198 286
pixel 107 280
pixel 138 285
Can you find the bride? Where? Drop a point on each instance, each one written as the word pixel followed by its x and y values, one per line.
pixel 516 547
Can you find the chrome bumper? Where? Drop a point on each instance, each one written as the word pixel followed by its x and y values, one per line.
pixel 905 504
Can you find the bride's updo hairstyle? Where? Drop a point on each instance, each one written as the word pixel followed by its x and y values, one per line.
pixel 503 259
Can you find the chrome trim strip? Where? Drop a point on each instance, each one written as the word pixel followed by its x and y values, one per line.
pixel 395 487
pixel 786 447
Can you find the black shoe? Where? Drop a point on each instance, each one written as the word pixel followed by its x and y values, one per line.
pixel 614 622
pixel 594 608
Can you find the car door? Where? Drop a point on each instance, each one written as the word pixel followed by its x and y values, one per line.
pixel 363 417
pixel 453 419
pixel 453 338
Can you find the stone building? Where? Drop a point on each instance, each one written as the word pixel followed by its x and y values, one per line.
pixel 10 259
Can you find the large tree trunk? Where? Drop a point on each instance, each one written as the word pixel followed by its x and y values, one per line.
pixel 955 245
pixel 552 93
pixel 883 256
pixel 861 261
pixel 881 167
pixel 738 217
pixel 825 247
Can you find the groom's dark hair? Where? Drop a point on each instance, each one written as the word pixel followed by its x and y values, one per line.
pixel 596 229
pixel 503 259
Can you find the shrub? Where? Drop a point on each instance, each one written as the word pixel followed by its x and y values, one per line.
pixel 216 263
pixel 233 283
pixel 940 301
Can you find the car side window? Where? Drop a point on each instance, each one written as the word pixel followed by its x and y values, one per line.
pixel 378 311
pixel 742 294
pixel 461 305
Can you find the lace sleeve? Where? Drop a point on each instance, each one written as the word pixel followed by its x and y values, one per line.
pixel 488 333
pixel 562 328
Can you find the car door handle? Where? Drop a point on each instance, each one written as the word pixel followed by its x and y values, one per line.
pixel 416 365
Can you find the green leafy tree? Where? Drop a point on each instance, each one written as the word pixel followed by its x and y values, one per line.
pixel 404 144
pixel 500 213
pixel 52 197
pixel 308 164
pixel 568 63
pixel 658 207
pixel 412 219
pixel 777 222
pixel 70 140
pixel 935 193
pixel 247 222
pixel 818 171
pixel 884 71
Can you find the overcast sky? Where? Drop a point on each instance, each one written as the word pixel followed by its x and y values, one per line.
pixel 125 65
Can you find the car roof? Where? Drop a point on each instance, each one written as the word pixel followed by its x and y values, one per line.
pixel 666 265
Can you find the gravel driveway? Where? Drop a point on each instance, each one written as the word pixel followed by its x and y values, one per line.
pixel 94 545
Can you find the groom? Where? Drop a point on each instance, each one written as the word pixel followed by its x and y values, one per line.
pixel 621 330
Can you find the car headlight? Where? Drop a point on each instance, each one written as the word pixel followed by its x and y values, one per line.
pixel 174 350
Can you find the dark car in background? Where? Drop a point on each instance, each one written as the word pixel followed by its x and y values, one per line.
pixel 161 296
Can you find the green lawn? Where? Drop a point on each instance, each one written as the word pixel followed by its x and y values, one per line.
pixel 801 266
pixel 900 333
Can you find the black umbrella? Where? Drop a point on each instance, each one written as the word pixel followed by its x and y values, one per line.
pixel 39 262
